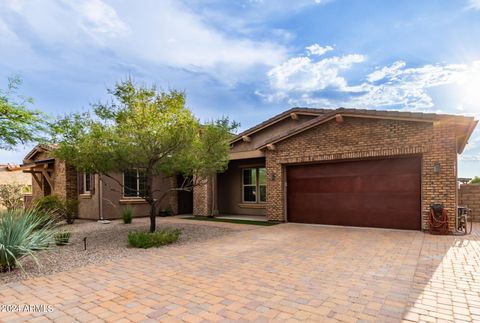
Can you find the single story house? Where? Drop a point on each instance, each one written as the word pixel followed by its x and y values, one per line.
pixel 325 166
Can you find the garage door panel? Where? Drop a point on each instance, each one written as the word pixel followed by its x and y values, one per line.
pixel 360 193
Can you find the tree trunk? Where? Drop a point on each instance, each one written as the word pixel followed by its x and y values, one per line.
pixel 150 199
pixel 153 217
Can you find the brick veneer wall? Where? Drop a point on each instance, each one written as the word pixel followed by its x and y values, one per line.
pixel 202 198
pixel 367 138
pixel 469 195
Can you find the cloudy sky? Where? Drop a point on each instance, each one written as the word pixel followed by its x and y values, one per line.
pixel 249 59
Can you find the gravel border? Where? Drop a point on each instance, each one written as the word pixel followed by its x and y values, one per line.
pixel 107 242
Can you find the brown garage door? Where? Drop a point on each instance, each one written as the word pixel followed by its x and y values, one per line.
pixel 368 193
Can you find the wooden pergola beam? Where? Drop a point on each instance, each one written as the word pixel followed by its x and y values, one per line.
pixel 294 116
pixel 48 178
pixel 271 147
pixel 37 180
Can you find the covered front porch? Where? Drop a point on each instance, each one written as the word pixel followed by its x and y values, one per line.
pixel 241 190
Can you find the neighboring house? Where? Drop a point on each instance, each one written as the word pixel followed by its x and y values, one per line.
pixel 343 167
pixel 8 175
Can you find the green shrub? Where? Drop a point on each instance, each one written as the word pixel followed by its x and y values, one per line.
pixel 70 210
pixel 11 195
pixel 58 209
pixel 127 215
pixel 475 180
pixel 49 204
pixel 22 233
pixel 62 237
pixel 156 239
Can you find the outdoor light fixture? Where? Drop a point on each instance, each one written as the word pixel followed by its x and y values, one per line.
pixel 272 177
pixel 436 167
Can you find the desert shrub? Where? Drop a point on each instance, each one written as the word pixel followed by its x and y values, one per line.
pixel 11 196
pixel 70 210
pixel 62 237
pixel 50 204
pixel 156 239
pixel 22 233
pixel 127 215
pixel 57 208
pixel 475 180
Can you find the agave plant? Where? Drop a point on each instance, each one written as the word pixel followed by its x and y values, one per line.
pixel 22 233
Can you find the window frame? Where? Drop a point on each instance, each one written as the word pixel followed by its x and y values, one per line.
pixel 137 188
pixel 84 184
pixel 257 184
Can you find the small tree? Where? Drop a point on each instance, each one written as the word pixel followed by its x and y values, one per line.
pixel 11 196
pixel 146 129
pixel 18 123
pixel 475 180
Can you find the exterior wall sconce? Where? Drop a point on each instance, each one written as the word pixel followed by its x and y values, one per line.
pixel 437 167
pixel 272 177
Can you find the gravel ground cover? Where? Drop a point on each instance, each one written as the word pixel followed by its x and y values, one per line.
pixel 107 242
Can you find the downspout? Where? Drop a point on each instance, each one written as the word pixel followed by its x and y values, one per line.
pixel 100 201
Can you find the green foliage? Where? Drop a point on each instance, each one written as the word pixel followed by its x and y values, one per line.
pixel 144 128
pixel 22 233
pixel 18 123
pixel 50 204
pixel 475 180
pixel 127 215
pixel 62 237
pixel 57 208
pixel 70 210
pixel 11 196
pixel 153 239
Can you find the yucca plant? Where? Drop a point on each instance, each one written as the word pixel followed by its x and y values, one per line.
pixel 22 233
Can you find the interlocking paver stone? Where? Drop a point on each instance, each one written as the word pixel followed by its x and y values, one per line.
pixel 287 272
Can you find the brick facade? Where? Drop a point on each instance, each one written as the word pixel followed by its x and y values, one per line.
pixel 370 138
pixel 203 198
pixel 469 196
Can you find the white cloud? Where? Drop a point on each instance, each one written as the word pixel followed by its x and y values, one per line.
pixel 473 4
pixel 164 33
pixel 99 18
pixel 318 50
pixel 303 81
pixel 304 74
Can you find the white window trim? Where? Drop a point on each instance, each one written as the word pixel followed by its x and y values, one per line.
pixel 85 191
pixel 257 186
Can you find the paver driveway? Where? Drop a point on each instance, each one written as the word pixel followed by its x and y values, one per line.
pixel 285 272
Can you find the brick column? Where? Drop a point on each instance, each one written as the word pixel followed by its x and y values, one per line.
pixel 275 188
pixel 202 198
pixel 440 187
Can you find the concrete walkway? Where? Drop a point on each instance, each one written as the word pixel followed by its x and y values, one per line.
pixel 287 272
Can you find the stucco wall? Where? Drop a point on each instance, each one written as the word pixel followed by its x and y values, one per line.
pixel 114 202
pixel 229 189
pixel 469 196
pixel 366 138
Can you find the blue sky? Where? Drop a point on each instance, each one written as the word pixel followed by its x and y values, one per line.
pixel 249 59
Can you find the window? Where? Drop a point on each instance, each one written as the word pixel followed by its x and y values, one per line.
pixel 134 183
pixel 254 185
pixel 87 183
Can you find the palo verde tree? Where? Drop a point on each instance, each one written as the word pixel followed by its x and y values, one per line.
pixel 18 123
pixel 145 129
